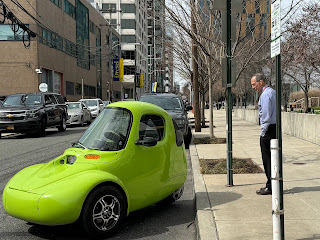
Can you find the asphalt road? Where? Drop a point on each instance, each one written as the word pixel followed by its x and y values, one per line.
pixel 18 152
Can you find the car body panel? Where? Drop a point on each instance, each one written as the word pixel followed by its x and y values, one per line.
pixel 56 191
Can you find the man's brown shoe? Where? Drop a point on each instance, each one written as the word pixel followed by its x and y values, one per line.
pixel 264 191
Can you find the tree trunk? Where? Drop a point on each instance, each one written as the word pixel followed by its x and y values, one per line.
pixel 203 117
pixel 210 99
pixel 196 107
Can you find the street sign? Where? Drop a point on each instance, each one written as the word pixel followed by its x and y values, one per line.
pixel 275 19
pixel 275 28
pixel 43 87
pixel 275 47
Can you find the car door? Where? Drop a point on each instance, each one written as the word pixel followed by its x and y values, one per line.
pixel 100 105
pixel 85 112
pixel 150 164
pixel 50 109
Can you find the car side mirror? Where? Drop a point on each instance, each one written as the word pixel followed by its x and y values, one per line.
pixel 148 142
pixel 188 108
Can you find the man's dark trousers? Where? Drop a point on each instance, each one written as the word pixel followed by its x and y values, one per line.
pixel 266 152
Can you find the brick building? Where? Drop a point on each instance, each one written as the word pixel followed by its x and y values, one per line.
pixel 72 51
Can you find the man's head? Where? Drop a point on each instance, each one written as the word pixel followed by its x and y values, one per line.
pixel 258 81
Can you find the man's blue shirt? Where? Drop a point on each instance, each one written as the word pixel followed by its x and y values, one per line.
pixel 267 108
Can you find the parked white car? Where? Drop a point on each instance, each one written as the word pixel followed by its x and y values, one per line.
pixel 78 113
pixel 94 105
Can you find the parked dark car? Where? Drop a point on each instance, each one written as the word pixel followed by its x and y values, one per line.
pixel 33 113
pixel 174 105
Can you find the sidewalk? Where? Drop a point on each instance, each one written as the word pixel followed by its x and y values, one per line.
pixel 238 212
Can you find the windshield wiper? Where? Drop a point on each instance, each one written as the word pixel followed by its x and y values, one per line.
pixel 80 144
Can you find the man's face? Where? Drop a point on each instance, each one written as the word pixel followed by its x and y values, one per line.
pixel 256 85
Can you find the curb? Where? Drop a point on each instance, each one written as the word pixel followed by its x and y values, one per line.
pixel 206 225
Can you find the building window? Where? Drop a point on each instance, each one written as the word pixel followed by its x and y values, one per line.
pixel 257 6
pixel 128 38
pixel 129 70
pixel 109 6
pixel 82 34
pixel 57 2
pixel 128 55
pixel 250 25
pixel 128 24
pixel 91 26
pixel 69 88
pixel 69 9
pixel 6 33
pixel 128 8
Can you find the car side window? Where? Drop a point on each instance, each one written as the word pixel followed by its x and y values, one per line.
pixel 151 126
pixel 53 99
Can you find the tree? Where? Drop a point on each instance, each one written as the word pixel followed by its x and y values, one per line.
pixel 301 63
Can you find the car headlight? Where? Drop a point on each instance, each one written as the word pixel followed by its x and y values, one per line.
pixel 71 159
pixel 32 114
pixel 180 121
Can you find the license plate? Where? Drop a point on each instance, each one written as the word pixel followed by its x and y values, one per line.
pixel 10 127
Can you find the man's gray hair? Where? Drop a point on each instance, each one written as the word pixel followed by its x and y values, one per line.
pixel 259 77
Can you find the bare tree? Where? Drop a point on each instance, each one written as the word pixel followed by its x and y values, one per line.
pixel 301 49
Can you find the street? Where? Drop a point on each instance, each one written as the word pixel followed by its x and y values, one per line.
pixel 154 222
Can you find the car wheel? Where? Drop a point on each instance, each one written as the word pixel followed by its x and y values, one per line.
pixel 104 211
pixel 63 125
pixel 171 198
pixel 187 139
pixel 43 126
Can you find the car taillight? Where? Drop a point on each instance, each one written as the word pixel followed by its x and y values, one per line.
pixel 92 156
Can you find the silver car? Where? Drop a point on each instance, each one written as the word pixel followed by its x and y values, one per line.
pixel 94 105
pixel 78 113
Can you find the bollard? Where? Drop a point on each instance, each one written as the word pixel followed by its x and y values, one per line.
pixel 275 184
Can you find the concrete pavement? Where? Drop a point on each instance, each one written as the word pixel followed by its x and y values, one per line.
pixel 238 212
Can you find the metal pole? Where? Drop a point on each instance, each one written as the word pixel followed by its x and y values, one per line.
pixel 82 89
pixel 229 105
pixel 279 137
pixel 276 213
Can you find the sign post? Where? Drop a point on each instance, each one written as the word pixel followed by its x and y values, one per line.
pixel 277 197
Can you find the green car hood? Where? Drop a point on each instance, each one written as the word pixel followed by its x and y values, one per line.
pixel 40 175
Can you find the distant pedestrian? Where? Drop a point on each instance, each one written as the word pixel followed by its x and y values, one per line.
pixel 267 116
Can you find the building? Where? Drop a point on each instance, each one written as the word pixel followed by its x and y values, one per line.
pixel 156 43
pixel 70 51
pixel 129 19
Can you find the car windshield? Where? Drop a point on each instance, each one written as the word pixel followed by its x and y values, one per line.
pixel 90 103
pixel 167 103
pixel 109 132
pixel 19 100
pixel 73 105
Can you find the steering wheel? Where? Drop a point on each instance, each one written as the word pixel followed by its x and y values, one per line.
pixel 117 138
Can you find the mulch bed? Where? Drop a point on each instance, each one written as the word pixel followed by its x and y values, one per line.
pixel 208 140
pixel 219 166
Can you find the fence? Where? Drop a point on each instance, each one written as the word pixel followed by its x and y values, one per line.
pixel 301 125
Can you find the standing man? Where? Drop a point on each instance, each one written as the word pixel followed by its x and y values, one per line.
pixel 267 116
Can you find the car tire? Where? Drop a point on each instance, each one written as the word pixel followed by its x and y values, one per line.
pixel 43 126
pixel 63 125
pixel 187 139
pixel 171 198
pixel 104 211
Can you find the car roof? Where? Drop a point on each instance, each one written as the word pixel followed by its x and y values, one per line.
pixel 137 107
pixel 161 95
